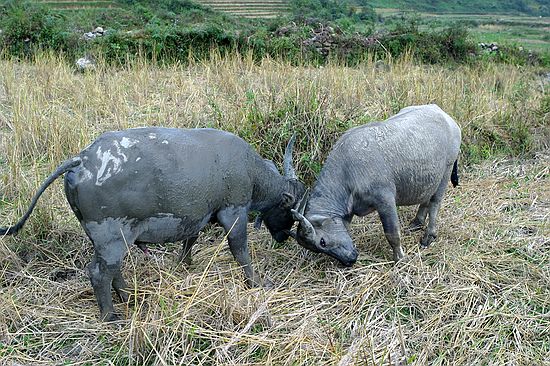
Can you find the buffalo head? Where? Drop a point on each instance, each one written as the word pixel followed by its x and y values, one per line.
pixel 279 218
pixel 322 234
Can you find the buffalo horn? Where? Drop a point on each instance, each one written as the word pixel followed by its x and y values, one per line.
pixel 303 202
pixel 291 233
pixel 287 163
pixel 307 227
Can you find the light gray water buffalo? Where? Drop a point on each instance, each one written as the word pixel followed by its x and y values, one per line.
pixel 157 185
pixel 405 160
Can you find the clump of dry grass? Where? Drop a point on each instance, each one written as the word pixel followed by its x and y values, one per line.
pixel 478 296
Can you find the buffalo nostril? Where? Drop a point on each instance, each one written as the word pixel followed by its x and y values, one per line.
pixel 355 254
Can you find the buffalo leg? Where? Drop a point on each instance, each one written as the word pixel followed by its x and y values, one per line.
pixel 104 271
pixel 435 203
pixel 390 222
pixel 233 220
pixel 120 286
pixel 101 276
pixel 185 254
pixel 420 219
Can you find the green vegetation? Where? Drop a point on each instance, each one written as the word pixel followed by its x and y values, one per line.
pixel 312 31
pixel 79 4
pixel 527 7
pixel 511 30
pixel 334 10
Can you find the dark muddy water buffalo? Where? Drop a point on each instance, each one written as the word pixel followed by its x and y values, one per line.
pixel 406 160
pixel 156 185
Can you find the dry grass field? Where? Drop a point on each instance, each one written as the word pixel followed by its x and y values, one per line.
pixel 479 296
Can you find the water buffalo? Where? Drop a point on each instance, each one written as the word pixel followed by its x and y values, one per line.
pixel 156 185
pixel 405 160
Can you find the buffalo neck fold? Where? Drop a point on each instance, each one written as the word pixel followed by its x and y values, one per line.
pixel 269 186
pixel 330 196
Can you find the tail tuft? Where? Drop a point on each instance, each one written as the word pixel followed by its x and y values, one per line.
pixel 454 174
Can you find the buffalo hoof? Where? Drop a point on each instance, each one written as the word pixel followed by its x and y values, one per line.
pixel 427 240
pixel 254 282
pixel 415 225
pixel 268 285
pixel 185 260
pixel 110 317
pixel 122 296
pixel 398 255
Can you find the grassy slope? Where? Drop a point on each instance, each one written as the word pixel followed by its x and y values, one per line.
pixel 531 32
pixel 478 296
pixel 535 36
pixel 243 8
pixel 532 7
pixel 120 15
pixel 64 4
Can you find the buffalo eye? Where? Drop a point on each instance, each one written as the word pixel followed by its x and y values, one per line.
pixel 323 243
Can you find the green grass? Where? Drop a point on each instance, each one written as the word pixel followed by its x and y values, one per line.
pixel 167 29
pixel 530 7
pixel 62 5
pixel 530 32
pixel 526 36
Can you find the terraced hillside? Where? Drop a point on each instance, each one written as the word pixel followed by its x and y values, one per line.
pixel 249 8
pixel 241 8
pixel 79 4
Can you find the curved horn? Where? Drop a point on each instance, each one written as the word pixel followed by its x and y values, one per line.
pixel 307 228
pixel 291 233
pixel 287 163
pixel 303 202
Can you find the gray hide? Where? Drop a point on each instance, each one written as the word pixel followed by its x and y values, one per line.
pixel 405 160
pixel 156 185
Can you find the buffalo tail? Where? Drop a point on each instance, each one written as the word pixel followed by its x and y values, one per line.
pixel 62 169
pixel 454 174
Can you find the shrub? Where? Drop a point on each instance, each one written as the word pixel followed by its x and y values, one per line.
pixel 27 26
pixel 333 10
pixel 451 44
pixel 168 30
pixel 164 43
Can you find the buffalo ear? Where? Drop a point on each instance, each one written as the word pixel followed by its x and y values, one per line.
pixel 319 220
pixel 287 200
